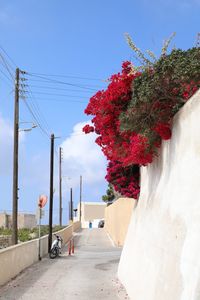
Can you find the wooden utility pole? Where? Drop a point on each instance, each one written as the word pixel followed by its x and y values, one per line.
pixel 51 191
pixel 60 186
pixel 71 205
pixel 15 161
pixel 80 212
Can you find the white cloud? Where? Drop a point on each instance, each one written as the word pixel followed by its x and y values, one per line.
pixel 82 156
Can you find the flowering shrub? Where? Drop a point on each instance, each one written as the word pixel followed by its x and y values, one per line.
pixel 158 94
pixel 124 179
pixel 106 106
pixel 134 113
pixel 87 128
pixel 163 130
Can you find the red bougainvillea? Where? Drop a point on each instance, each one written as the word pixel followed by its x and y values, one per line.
pixel 106 106
pixel 163 130
pixel 133 115
pixel 138 151
pixel 189 89
pixel 87 128
pixel 124 179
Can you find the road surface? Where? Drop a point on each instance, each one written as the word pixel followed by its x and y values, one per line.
pixel 89 274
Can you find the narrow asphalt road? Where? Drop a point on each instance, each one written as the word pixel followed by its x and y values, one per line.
pixel 89 274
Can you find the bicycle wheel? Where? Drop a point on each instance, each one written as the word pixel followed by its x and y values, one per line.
pixel 53 253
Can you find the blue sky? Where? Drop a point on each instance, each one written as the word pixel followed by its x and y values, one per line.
pixel 83 39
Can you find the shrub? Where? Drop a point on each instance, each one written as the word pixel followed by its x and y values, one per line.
pixel 134 114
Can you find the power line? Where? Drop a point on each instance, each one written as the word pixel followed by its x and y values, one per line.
pixel 11 60
pixel 60 100
pixel 46 79
pixel 35 103
pixel 3 79
pixel 34 106
pixel 88 87
pixel 35 118
pixel 68 76
pixel 6 76
pixel 7 67
pixel 34 114
pixel 59 95
pixel 30 96
pixel 57 88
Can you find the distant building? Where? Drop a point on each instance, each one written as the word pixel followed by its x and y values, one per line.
pixel 91 213
pixel 24 220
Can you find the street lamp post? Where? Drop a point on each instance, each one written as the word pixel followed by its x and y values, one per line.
pixel 15 182
pixel 15 159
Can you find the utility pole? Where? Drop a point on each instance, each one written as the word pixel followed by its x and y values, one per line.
pixel 51 191
pixel 80 212
pixel 71 205
pixel 60 185
pixel 15 161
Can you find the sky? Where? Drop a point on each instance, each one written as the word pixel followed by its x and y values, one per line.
pixel 68 49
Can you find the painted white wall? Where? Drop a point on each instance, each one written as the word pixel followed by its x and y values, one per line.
pixel 161 256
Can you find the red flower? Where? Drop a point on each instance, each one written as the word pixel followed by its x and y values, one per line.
pixel 163 130
pixel 87 129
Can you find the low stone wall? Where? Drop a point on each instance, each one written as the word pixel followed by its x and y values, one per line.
pixel 117 218
pixel 16 258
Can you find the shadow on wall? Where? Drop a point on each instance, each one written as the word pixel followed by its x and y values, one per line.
pixel 117 219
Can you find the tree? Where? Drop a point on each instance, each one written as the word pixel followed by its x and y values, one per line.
pixel 110 194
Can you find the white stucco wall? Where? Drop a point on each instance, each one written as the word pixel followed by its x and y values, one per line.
pixel 161 256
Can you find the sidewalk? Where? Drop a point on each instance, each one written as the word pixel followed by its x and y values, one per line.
pixel 89 274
